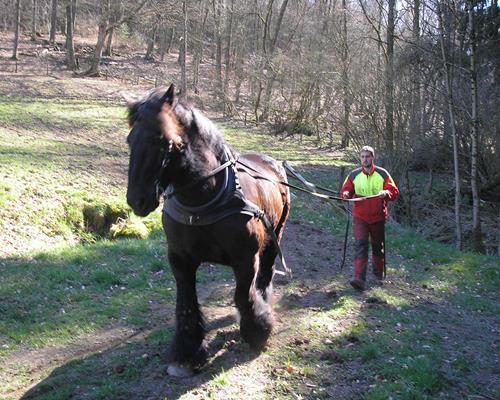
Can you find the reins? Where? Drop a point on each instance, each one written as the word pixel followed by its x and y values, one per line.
pixel 308 184
pixel 312 191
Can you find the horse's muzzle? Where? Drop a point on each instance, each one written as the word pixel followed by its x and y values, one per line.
pixel 142 206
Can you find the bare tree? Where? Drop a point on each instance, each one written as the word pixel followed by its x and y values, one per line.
pixel 70 49
pixel 269 48
pixel 53 22
pixel 151 38
pixel 197 40
pixel 477 238
pixel 217 9
pixel 227 55
pixel 16 30
pixel 116 14
pixel 389 78
pixel 451 111
pixel 184 50
pixel 103 28
pixel 33 19
pixel 345 76
pixel 101 36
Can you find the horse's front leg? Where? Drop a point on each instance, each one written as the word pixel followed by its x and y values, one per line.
pixel 266 272
pixel 187 350
pixel 256 321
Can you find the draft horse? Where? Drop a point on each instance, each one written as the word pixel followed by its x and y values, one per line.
pixel 216 202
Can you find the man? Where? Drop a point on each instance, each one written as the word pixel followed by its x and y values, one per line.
pixel 369 215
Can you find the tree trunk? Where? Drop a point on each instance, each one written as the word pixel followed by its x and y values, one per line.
pixel 198 50
pixel 257 103
pixel 184 52
pixel 268 54
pixel 163 41
pixel 217 6
pixel 345 77
pixel 170 40
pixel 389 79
pixel 101 37
pixel 53 22
pixel 415 121
pixel 33 19
pixel 73 7
pixel 451 112
pixel 70 49
pixel 477 237
pixel 115 15
pixel 227 56
pixel 151 39
pixel 430 182
pixel 17 27
pixel 108 48
pixel 104 27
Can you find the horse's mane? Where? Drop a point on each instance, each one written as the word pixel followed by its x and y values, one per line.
pixel 193 121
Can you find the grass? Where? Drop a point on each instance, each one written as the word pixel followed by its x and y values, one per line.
pixel 58 296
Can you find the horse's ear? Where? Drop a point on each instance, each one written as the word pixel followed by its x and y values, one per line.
pixel 129 100
pixel 169 96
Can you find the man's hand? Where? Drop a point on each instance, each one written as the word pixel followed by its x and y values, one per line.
pixel 346 194
pixel 383 194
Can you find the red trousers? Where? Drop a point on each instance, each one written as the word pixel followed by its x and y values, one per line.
pixel 362 232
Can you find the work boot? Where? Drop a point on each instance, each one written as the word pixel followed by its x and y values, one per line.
pixel 378 282
pixel 358 284
pixel 378 269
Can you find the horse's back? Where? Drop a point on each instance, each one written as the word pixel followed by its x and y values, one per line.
pixel 264 164
pixel 260 177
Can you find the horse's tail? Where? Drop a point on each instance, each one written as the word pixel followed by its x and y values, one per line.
pixel 285 197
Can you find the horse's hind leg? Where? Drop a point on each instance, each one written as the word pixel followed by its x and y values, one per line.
pixel 187 350
pixel 256 321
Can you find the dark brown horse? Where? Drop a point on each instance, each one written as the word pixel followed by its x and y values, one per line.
pixel 214 211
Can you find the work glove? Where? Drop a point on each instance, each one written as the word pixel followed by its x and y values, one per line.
pixel 384 194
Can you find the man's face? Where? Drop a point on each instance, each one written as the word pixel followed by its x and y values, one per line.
pixel 366 159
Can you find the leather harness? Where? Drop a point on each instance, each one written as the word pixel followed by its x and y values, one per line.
pixel 229 200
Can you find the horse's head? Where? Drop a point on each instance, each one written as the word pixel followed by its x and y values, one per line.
pixel 155 135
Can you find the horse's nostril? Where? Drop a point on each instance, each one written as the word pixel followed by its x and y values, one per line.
pixel 140 203
pixel 135 203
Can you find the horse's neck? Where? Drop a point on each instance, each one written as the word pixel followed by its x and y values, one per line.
pixel 198 163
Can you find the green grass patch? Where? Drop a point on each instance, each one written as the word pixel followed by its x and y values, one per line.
pixel 342 306
pixel 63 294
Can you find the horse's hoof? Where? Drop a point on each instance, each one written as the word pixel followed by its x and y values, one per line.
pixel 179 370
pixel 256 331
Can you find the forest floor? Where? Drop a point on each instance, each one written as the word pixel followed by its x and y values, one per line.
pixel 93 321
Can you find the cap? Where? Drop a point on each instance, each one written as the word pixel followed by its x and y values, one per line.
pixel 368 148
